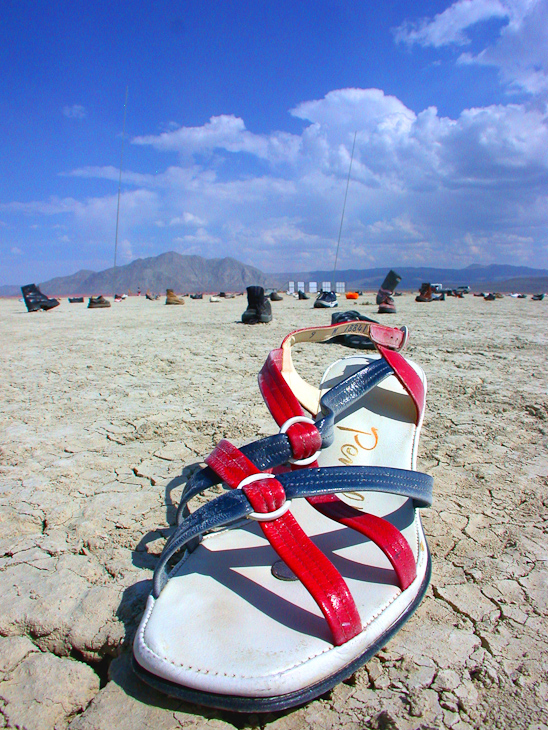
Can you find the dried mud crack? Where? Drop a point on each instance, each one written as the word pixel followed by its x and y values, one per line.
pixel 95 453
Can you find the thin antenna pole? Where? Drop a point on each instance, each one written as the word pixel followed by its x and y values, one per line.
pixel 119 190
pixel 344 206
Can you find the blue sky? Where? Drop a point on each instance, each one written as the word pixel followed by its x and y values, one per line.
pixel 241 118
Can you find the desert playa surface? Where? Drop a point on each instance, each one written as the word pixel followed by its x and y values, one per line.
pixel 102 411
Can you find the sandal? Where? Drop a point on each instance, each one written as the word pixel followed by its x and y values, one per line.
pixel 358 342
pixel 281 587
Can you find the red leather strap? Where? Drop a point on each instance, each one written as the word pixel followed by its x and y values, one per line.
pixel 408 378
pixel 304 438
pixel 283 405
pixel 383 533
pixel 319 576
pixel 384 336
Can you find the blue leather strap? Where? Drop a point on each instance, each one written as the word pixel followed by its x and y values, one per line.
pixel 276 450
pixel 231 507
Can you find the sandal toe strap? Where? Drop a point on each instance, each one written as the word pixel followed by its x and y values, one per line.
pixel 294 547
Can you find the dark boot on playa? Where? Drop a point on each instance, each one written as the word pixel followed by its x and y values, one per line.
pixel 425 293
pixel 35 300
pixel 98 302
pixel 388 287
pixel 386 292
pixel 258 306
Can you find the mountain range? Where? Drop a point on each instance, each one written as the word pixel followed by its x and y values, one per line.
pixel 194 274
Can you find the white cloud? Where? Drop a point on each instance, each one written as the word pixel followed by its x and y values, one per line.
pixel 450 26
pixel 225 132
pixel 125 251
pixel 424 189
pixel 187 219
pixel 519 52
pixel 76 111
pixel 112 173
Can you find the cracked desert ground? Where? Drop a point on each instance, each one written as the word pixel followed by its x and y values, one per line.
pixel 103 409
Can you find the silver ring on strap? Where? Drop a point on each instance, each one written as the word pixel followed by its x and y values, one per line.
pixel 283 429
pixel 264 516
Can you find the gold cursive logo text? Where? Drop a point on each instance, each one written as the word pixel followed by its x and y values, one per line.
pixel 350 451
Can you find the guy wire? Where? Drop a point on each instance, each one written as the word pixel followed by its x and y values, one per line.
pixel 119 190
pixel 344 204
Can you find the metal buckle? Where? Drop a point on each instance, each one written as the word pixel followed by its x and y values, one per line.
pixel 283 429
pixel 264 516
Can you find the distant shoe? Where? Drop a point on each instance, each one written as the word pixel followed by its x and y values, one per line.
pixel 387 306
pixel 275 297
pixel 151 297
pixel 222 294
pixel 35 300
pixel 387 289
pixel 326 300
pixel 425 293
pixel 214 299
pixel 172 298
pixel 76 300
pixel 537 297
pixel 98 302
pixel 489 297
pixel 258 307
pixel 358 342
pixel 352 295
pixel 117 297
pixel 197 296
pixel 302 295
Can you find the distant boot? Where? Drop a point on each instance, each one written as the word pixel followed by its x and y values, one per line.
pixel 388 287
pixel 386 305
pixel 275 297
pixel 35 300
pixel 425 293
pixel 302 295
pixel 258 306
pixel 98 302
pixel 172 298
